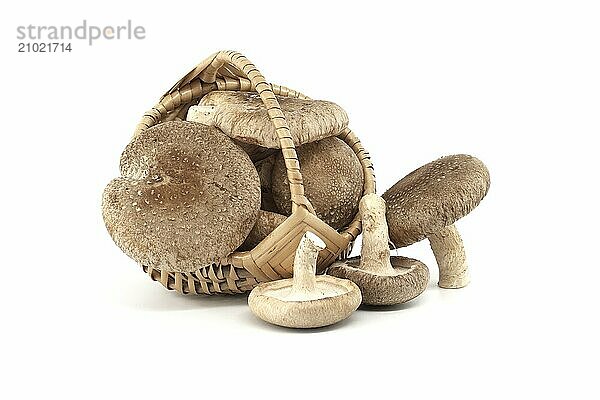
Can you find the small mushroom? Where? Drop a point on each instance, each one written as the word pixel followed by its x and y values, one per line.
pixel 244 117
pixel 383 280
pixel 333 181
pixel 306 300
pixel 187 197
pixel 427 202
pixel 265 224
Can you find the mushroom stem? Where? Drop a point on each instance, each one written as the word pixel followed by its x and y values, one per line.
pixel 447 246
pixel 375 253
pixel 305 264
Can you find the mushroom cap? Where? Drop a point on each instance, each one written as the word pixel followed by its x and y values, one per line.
pixel 243 116
pixel 265 173
pixel 333 181
pixel 409 280
pixel 265 224
pixel 434 196
pixel 188 197
pixel 335 299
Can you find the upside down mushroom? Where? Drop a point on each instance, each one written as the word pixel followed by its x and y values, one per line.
pixel 383 280
pixel 306 300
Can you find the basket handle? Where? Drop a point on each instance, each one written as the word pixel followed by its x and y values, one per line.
pixel 242 65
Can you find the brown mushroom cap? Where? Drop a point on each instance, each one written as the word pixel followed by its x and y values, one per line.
pixel 265 173
pixel 434 196
pixel 333 181
pixel 335 299
pixel 188 197
pixel 409 279
pixel 265 224
pixel 243 116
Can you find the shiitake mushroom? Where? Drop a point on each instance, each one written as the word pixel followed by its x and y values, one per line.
pixel 187 197
pixel 333 181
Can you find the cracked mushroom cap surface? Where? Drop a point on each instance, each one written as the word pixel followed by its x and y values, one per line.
pixel 187 197
pixel 243 116
pixel 333 300
pixel 434 196
pixel 333 181
pixel 409 279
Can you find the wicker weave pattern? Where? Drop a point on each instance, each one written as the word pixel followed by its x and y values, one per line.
pixel 214 279
pixel 273 257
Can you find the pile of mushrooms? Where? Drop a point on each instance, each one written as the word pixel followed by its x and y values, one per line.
pixel 424 204
pixel 192 192
pixel 332 174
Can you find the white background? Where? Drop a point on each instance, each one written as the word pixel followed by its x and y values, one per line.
pixel 515 83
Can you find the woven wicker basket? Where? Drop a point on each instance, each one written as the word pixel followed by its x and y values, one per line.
pixel 273 258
